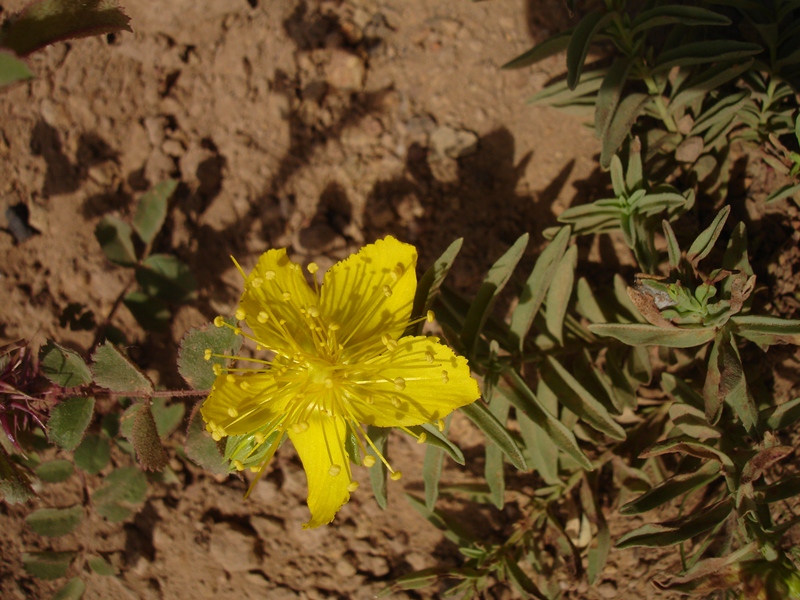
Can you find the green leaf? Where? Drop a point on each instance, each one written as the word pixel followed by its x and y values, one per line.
pixel 167 417
pixel 72 591
pixel 713 397
pixel 436 438
pixel 625 116
pixel 708 51
pixel 12 69
pixel 378 472
pixel 690 446
pixel 432 469
pixel 55 522
pixel 609 94
pixel 767 331
pixel 150 312
pixel 63 367
pixel 640 334
pixel 691 16
pixel 55 471
pixel 580 41
pixel 45 22
pixel 114 236
pixel 673 249
pixel 122 492
pixel 669 533
pixel 546 49
pixel 14 484
pixel 429 284
pixel 711 79
pixel 578 399
pixel 167 277
pixel 93 454
pixel 201 448
pixel 101 566
pixel 492 285
pixel 151 211
pixel 450 529
pixel 192 365
pixel 671 488
pixel 115 371
pixel 479 413
pixel 539 281
pixel 47 565
pixel 523 398
pixel 494 465
pixel 587 304
pixel 146 441
pixel 69 420
pixel 558 94
pixel 787 191
pixel 521 581
pixel 779 417
pixel 559 293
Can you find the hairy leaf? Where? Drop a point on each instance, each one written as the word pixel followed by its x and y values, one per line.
pixel 691 16
pixel 559 293
pixel 151 211
pixel 201 448
pixel 479 413
pixel 431 281
pixel 192 364
pixel 47 565
pixel 63 367
pixel 55 522
pixel 69 420
pixel 73 590
pixel 546 49
pixel 93 454
pixel 116 372
pixel 675 486
pixel 640 334
pixel 122 492
pixel 580 41
pixel 669 533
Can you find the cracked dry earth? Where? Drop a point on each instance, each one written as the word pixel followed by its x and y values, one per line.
pixel 311 125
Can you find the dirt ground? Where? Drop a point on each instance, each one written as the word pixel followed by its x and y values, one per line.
pixel 312 125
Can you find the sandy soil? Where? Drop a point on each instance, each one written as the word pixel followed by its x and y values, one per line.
pixel 312 125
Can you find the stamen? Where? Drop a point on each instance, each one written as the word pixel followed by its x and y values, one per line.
pixel 287 296
pixel 429 356
pixel 440 425
pixel 240 314
pixel 238 464
pixel 396 402
pixel 395 475
pixel 262 317
pixel 300 427
pixel 369 461
pixel 399 384
pixel 257 282
pixel 312 268
pixel 352 487
pixel 207 354
pixel 232 412
pixel 259 437
pixel 445 377
pixel 313 312
pixel 334 470
pixel 430 317
pixel 230 378
pixel 387 291
pixel 217 368
pixel 422 437
pixel 219 321
pixel 269 275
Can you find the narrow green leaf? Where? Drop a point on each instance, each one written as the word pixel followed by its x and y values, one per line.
pixel 559 95
pixel 115 371
pixel 673 249
pixel 559 293
pixel 114 236
pixel 598 555
pixel 580 41
pixel 55 471
pixel 432 466
pixel 722 110
pixel 787 191
pixel 521 581
pixel 167 277
pixel 12 69
pixel 150 312
pixel 63 367
pixel 733 386
pixel 679 530
pixel 451 530
pixel 72 591
pixel 151 211
pixel 578 399
pixel 523 398
pixel 767 331
pixel 378 472
pixel 712 395
pixel 69 420
pixel 479 413
pixel 93 454
pixel 546 49
pixel 710 79
pixel 146 441
pixel 640 334
pixel 47 565
pixel 494 466
pixel 192 365
pixel 681 391
pixel 122 492
pixel 200 446
pixel 100 566
pixel 618 129
pixel 692 447
pixel 540 453
pixel 675 486
pixel 539 281
pixel 429 284
pixel 609 94
pixel 708 51
pixel 691 16
pixel 779 417
pixel 492 285
pixel 55 522
pixel 587 303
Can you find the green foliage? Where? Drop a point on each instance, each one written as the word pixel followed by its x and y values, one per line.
pixel 12 69
pixel 63 367
pixel 93 454
pixel 122 492
pixel 55 471
pixel 192 363
pixel 201 448
pixel 55 522
pixel 69 420
pixel 116 372
pixel 73 590
pixel 100 566
pixel 47 565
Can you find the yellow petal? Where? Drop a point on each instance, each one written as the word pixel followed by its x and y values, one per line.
pixel 327 466
pixel 276 291
pixel 371 292
pixel 243 404
pixel 421 381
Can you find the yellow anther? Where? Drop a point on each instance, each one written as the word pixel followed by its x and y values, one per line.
pixel 238 331
pixel 334 327
pixel 216 436
pixel 312 267
pixel 334 470
pixel 300 427
pixel 396 402
pixel 244 385
pixel 422 437
pixel 429 356
pixel 313 312
pixel 207 354
pixel 238 464
pixel 259 437
pixel 440 425
pixel 255 469
pixel 287 296
pixel 262 317
pixel 388 341
pixel 352 487
pixel 399 384
pixel 232 412
pixel 240 314
pixel 395 475
pixel 368 461
pixel 369 400
pixel 269 275
pixel 328 383
pixel 387 291
pixel 259 347
pixel 445 377
pixel 430 317
pixel 230 378
pixel 217 368
pixel 257 282
pixel 219 321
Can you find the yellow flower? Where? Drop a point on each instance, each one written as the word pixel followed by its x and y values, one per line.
pixel 339 363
